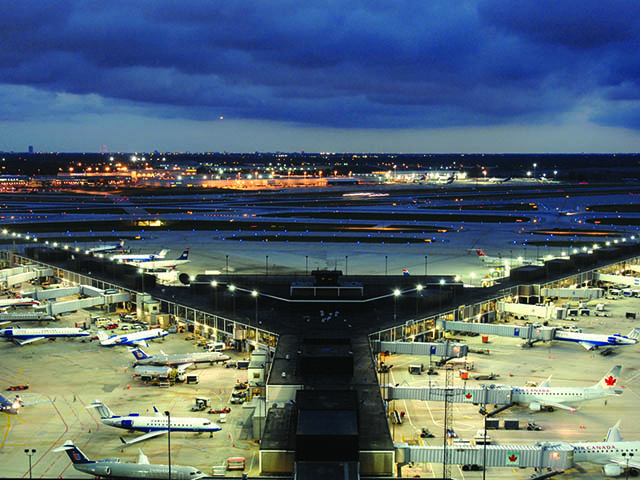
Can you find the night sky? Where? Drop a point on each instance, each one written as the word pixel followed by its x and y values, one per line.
pixel 357 76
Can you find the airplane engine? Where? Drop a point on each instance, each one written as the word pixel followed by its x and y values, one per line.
pixel 535 407
pixel 612 470
pixel 101 470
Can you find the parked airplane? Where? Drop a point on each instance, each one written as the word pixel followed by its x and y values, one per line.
pixel 153 264
pixel 135 338
pixel 119 247
pixel 173 359
pixel 546 396
pixel 153 426
pixel 595 340
pixel 22 336
pixel 25 317
pixel 18 302
pixel 127 257
pixel 114 468
pixel 613 454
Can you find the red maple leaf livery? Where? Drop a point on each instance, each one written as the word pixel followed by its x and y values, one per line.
pixel 610 380
pixel 513 457
pixel 468 395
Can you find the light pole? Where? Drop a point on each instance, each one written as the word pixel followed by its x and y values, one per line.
pixel 266 264
pixel 346 264
pixel 227 266
pixel 306 264
pixel 168 414
pixel 29 452
pixel 425 265
pixel 141 271
pixel 386 257
pixel 396 294
pixel 232 288
pixel 440 296
pixel 214 284
pixel 534 170
pixel 255 295
pixel 418 293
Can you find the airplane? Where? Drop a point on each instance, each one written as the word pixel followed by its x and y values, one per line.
pixel 152 426
pixel 501 262
pixel 13 406
pixel 134 338
pixel 114 468
pixel 127 257
pixel 25 317
pixel 546 396
pixel 613 454
pixel 119 247
pixel 595 340
pixel 170 264
pixel 23 336
pixel 174 359
pixel 18 302
pixel 406 272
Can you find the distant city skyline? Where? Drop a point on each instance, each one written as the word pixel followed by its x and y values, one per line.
pixel 492 76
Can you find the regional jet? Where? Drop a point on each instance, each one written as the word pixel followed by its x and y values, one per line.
pixel 170 264
pixel 119 247
pixel 22 336
pixel 114 468
pixel 174 359
pixel 502 262
pixel 135 338
pixel 595 340
pixel 545 396
pixel 152 426
pixel 13 406
pixel 127 258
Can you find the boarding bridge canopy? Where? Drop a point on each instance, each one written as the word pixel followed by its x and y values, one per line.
pixel 542 455
pixel 447 349
pixel 573 293
pixel 526 332
pixel 618 279
pixel 17 317
pixel 491 394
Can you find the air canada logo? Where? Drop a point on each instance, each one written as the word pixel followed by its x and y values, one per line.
pixel 468 396
pixel 513 458
pixel 610 380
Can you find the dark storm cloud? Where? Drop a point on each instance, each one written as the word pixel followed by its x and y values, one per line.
pixel 359 64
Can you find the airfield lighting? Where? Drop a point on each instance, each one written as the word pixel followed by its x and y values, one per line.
pixel 608 243
pixel 633 237
pixel 419 287
pixel 520 259
pixel 396 294
pixel 4 231
pixel 615 241
pixel 30 452
pixel 214 283
pixel 624 239
pixel 55 244
pixel 254 294
pixel 595 246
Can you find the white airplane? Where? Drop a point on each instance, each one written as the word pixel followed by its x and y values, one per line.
pixel 119 247
pixel 18 302
pixel 595 340
pixel 22 336
pixel 546 396
pixel 613 454
pixel 135 338
pixel 127 257
pixel 161 372
pixel 114 468
pixel 170 264
pixel 152 426
pixel 173 359
pixel 502 262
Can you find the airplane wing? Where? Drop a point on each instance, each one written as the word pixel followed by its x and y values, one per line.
pixel 144 437
pixel 141 343
pixel 183 366
pixel 28 340
pixel 587 345
pixel 624 464
pixel 142 458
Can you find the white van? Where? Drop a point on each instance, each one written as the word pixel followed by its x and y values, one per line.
pixel 215 347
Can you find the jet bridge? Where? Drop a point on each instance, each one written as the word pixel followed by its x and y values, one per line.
pixel 573 293
pixel 542 455
pixel 483 395
pixel 95 296
pixel 14 276
pixel 446 349
pixel 618 279
pixel 529 333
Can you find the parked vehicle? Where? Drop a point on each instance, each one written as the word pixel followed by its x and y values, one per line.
pixel 426 433
pixel 14 388
pixel 219 410
pixel 533 426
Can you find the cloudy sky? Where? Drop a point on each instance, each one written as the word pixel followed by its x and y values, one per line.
pixel 365 76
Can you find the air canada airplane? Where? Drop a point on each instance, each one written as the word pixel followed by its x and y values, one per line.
pixel 152 426
pixel 114 468
pixel 547 397
pixel 613 454
pixel 22 336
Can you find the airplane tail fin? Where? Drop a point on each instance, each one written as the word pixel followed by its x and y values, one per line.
pixel 75 454
pixel 102 336
pixel 138 353
pixel 613 435
pixel 103 410
pixel 610 380
pixel 635 334
pixel 480 252
pixel 163 253
pixel 184 255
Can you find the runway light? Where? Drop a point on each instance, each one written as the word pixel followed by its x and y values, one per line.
pixel 397 292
